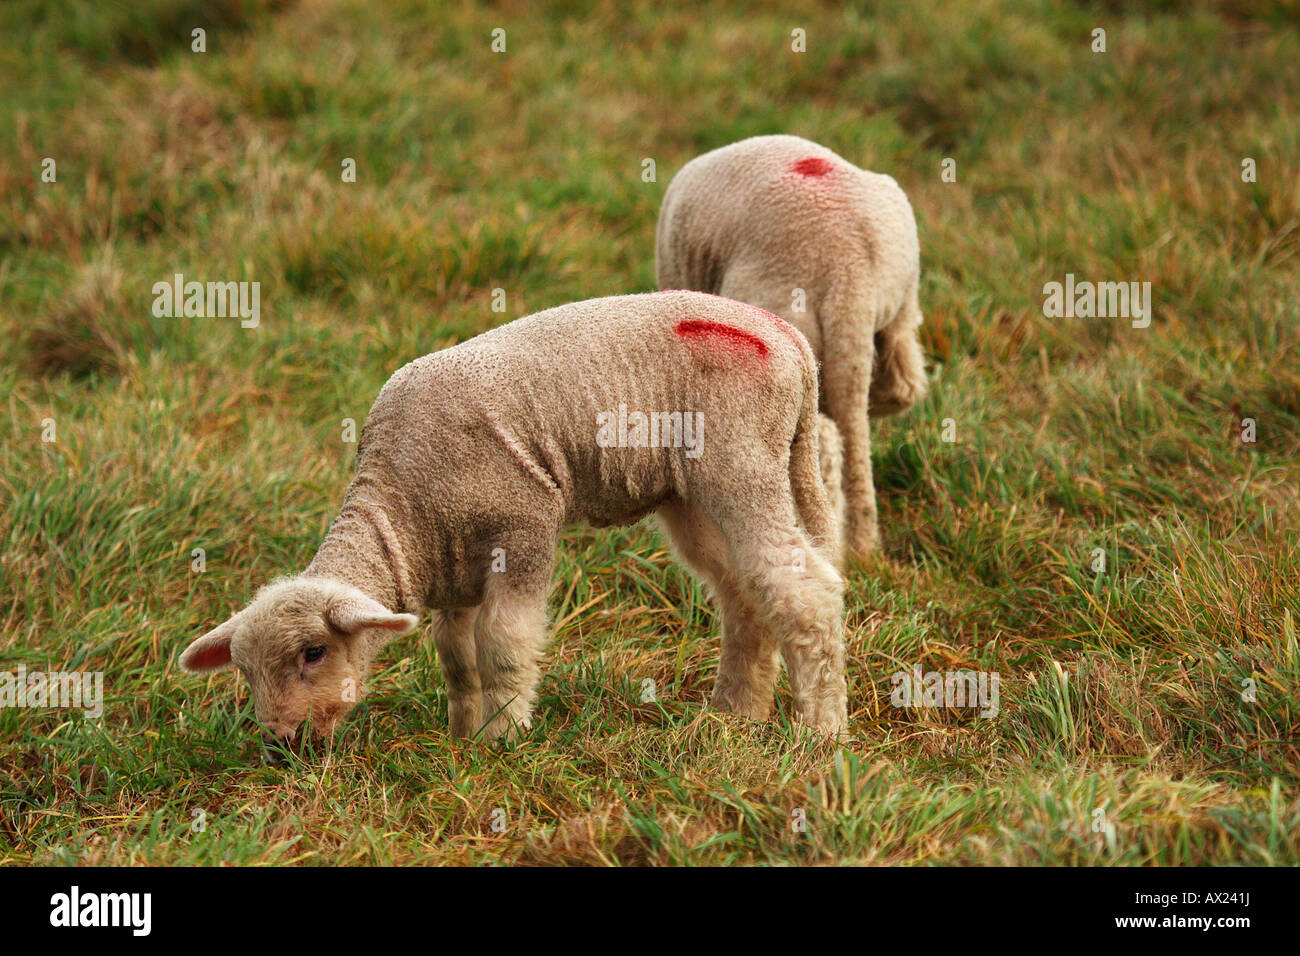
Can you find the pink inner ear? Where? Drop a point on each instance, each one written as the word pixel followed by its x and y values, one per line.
pixel 210 655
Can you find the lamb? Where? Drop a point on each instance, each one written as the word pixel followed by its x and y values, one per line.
pixel 474 459
pixel 765 217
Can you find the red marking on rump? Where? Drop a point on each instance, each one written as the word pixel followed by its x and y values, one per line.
pixel 727 336
pixel 812 166
pixel 781 323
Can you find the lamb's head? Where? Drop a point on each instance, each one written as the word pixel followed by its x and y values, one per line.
pixel 305 645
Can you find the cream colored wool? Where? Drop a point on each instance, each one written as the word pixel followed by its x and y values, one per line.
pixel 474 459
pixel 760 218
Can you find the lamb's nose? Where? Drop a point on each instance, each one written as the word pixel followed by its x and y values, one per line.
pixel 281 732
pixel 279 742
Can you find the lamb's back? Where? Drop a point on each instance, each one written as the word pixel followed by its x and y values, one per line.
pixel 542 380
pixel 787 203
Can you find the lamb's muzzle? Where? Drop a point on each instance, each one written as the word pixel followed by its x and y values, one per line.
pixel 786 224
pixel 474 459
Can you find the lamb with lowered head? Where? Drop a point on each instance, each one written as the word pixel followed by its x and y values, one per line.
pixel 472 461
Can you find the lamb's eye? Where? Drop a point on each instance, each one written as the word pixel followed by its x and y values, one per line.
pixel 312 654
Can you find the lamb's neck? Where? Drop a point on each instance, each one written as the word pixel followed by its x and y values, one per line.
pixel 365 549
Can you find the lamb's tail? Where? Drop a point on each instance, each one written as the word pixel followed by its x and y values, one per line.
pixel 810 497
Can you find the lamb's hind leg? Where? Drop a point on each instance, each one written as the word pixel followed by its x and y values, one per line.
pixel 847 382
pixel 453 636
pixel 747 664
pixel 801 603
pixel 898 379
pixel 795 594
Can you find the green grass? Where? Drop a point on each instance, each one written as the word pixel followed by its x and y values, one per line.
pixel 1120 691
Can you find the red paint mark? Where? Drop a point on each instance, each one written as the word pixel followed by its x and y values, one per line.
pixel 812 166
pixel 781 323
pixel 698 330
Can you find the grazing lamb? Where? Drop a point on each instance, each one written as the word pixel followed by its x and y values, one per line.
pixel 473 460
pixel 764 217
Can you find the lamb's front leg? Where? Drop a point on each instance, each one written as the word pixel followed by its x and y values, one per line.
pixel 747 666
pixel 511 628
pixel 831 452
pixel 510 631
pixel 453 636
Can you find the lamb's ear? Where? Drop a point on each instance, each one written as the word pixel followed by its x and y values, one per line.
pixel 354 613
pixel 211 652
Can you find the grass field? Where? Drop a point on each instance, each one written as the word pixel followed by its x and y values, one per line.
pixel 1148 712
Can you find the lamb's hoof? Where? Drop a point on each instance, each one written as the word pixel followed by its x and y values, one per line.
pixel 830 722
pixel 742 705
pixel 862 544
pixel 895 398
pixel 503 731
pixel 885 406
pixel 464 720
